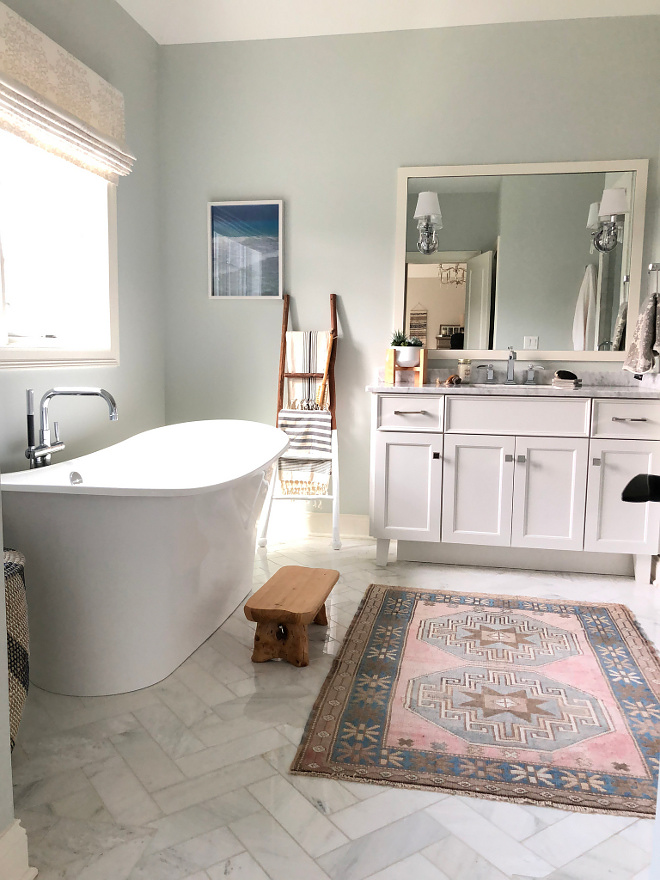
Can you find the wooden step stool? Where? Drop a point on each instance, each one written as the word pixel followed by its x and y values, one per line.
pixel 282 609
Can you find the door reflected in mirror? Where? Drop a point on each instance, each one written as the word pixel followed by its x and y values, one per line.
pixel 516 263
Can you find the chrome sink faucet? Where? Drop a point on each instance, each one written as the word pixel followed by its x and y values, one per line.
pixel 40 456
pixel 510 375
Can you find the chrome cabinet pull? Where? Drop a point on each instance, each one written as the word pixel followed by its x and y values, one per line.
pixel 410 412
pixel 620 419
pixel 595 462
pixel 508 458
pixel 521 459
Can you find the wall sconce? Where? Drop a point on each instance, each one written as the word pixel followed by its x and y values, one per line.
pixel 613 203
pixel 429 220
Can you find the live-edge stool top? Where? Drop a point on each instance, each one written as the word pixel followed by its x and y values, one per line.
pixel 293 594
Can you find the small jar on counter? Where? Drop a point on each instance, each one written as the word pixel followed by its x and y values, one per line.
pixel 464 369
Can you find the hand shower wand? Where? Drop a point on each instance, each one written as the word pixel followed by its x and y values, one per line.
pixel 30 426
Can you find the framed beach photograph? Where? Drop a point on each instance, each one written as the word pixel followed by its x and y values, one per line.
pixel 245 249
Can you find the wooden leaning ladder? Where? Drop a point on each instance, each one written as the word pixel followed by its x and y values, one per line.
pixel 333 457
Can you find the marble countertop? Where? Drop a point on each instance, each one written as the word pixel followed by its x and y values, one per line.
pixel 616 391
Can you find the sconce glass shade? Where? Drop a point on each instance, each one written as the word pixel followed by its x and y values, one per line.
pixel 613 202
pixel 429 206
pixel 429 220
pixel 593 221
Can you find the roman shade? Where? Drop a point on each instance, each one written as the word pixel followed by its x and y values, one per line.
pixel 51 99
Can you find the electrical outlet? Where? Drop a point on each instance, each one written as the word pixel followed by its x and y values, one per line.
pixel 530 343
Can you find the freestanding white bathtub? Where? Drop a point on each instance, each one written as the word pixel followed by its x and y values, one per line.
pixel 129 571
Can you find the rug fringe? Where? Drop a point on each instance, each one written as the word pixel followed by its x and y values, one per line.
pixel 505 798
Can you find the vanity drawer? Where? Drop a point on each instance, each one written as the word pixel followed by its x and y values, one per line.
pixel 626 419
pixel 409 412
pixel 509 415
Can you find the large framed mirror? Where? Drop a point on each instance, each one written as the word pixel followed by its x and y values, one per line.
pixel 523 256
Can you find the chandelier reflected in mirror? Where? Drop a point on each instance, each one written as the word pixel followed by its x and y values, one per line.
pixel 452 273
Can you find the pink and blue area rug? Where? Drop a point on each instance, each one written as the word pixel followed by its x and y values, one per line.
pixel 528 700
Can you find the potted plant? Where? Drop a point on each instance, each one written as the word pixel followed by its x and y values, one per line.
pixel 407 349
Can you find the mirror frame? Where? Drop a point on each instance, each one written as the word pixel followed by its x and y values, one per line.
pixel 638 205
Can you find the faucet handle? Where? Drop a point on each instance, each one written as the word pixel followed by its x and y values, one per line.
pixel 530 373
pixel 56 431
pixel 489 374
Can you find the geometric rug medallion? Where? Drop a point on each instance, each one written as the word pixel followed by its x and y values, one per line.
pixel 528 700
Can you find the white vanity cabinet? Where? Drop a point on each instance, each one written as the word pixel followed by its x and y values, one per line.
pixel 408 496
pixel 515 491
pixel 611 525
pixel 477 492
pixel 625 442
pixel 536 473
pixel 549 492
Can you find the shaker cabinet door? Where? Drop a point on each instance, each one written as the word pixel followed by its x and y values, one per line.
pixel 549 495
pixel 612 525
pixel 477 489
pixel 408 485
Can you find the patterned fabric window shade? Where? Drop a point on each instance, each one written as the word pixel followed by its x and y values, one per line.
pixel 51 99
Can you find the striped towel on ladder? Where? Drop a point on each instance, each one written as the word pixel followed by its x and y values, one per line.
pixel 309 431
pixel 310 434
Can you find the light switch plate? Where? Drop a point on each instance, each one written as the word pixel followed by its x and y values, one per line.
pixel 530 343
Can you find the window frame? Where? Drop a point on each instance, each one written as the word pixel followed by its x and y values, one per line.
pixel 18 357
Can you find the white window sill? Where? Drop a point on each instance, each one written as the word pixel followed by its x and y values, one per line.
pixel 15 357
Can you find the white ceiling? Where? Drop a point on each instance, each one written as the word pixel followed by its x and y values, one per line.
pixel 210 21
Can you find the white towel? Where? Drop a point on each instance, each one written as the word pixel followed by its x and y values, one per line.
pixel 584 322
pixel 306 352
pixel 646 338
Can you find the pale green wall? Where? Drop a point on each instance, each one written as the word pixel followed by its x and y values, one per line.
pixel 104 37
pixel 324 123
pixel 544 250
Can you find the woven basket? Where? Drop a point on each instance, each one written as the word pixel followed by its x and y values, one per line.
pixel 18 640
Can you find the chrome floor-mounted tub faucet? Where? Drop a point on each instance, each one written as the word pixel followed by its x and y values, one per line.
pixel 40 455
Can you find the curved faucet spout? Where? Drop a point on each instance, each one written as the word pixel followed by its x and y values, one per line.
pixel 44 433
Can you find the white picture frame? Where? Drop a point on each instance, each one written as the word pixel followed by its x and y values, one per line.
pixel 245 249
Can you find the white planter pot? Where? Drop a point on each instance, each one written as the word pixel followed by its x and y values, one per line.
pixel 407 355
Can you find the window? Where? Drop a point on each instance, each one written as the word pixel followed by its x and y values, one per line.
pixel 57 259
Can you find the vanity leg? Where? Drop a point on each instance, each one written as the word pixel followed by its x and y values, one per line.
pixel 643 569
pixel 382 551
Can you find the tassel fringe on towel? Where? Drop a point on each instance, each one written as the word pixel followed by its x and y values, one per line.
pixel 301 477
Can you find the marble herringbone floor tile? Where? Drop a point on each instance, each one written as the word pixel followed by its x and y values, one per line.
pixel 188 779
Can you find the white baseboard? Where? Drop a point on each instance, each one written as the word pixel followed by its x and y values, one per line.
pixel 290 520
pixel 14 864
pixel 351 525
pixel 516 557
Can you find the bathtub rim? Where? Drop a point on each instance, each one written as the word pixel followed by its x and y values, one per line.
pixel 153 492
